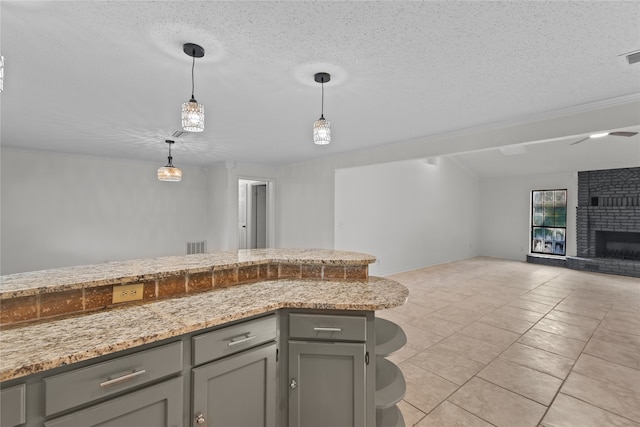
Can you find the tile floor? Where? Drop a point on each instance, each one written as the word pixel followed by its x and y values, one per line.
pixel 493 342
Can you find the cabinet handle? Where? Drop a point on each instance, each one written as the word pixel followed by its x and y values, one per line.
pixel 122 378
pixel 200 419
pixel 241 340
pixel 322 329
pixel 293 383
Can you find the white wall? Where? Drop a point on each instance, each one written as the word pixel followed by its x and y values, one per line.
pixel 60 210
pixel 505 212
pixel 408 214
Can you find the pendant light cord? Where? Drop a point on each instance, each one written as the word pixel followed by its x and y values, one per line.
pixel 193 64
pixel 322 105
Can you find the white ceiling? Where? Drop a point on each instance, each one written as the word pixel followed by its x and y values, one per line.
pixel 107 78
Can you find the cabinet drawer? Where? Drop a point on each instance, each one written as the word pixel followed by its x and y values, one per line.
pixel 84 385
pixel 12 402
pixel 334 328
pixel 229 340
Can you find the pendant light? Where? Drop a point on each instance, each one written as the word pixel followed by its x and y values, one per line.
pixel 192 112
pixel 322 127
pixel 169 172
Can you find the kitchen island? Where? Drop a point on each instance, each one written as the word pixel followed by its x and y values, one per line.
pixel 183 296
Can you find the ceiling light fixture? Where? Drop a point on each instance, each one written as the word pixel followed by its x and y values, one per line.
pixel 598 135
pixel 169 172
pixel 192 112
pixel 322 127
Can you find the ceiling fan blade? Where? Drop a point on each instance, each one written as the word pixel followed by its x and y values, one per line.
pixel 579 141
pixel 623 133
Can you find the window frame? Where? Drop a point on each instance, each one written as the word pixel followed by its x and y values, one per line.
pixel 553 241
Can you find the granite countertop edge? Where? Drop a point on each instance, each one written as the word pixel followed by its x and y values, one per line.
pixel 33 348
pixel 120 272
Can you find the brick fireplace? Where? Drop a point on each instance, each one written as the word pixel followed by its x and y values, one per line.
pixel 608 222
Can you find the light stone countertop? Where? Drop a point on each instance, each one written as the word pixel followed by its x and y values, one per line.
pixel 41 346
pixel 117 272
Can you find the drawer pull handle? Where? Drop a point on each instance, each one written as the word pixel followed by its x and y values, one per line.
pixel 122 378
pixel 242 340
pixel 321 329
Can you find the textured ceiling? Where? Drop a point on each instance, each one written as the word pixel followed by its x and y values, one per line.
pixel 107 78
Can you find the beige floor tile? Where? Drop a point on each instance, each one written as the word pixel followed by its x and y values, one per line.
pixel 437 325
pixel 497 405
pixel 403 354
pixel 410 413
pixel 425 390
pixel 618 337
pixel 471 348
pixel 460 315
pixel 551 291
pixel 572 319
pixel 582 333
pixel 419 339
pixel 567 411
pixel 496 336
pixel 427 301
pixel 395 315
pixel 449 415
pixel 413 309
pixel 553 343
pixel 449 365
pixel 608 372
pixel 519 313
pixel 623 354
pixel 522 380
pixel 502 321
pixel 540 360
pixel 607 396
pixel 581 310
pixel 627 326
pixel 543 299
pixel 532 305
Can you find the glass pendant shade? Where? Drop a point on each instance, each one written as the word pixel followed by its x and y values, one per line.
pixel 170 174
pixel 321 131
pixel 192 116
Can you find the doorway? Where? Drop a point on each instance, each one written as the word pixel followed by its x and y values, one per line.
pixel 252 214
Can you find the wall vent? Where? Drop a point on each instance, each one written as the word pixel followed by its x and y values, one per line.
pixel 633 58
pixel 177 133
pixel 196 247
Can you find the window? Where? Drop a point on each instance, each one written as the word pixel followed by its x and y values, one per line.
pixel 548 222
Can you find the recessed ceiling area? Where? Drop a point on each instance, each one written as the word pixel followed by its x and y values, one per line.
pixel 556 156
pixel 108 78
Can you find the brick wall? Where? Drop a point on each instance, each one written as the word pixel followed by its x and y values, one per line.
pixel 608 200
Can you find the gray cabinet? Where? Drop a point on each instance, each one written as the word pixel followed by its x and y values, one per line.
pixel 159 406
pixel 13 406
pixel 327 384
pixel 328 371
pixel 237 391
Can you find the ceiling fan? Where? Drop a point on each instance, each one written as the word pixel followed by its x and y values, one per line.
pixel 603 134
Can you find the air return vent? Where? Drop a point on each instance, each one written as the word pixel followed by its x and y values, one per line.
pixel 196 247
pixel 633 58
pixel 177 133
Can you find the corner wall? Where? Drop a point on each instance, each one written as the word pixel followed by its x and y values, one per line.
pixel 505 213
pixel 408 214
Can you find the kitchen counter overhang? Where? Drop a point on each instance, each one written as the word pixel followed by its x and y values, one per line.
pixel 47 344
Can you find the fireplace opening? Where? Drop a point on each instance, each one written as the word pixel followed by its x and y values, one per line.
pixel 618 244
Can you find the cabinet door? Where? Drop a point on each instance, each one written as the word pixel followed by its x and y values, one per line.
pixel 238 391
pixel 327 384
pixel 159 406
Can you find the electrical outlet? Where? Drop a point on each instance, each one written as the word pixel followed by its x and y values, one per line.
pixel 126 293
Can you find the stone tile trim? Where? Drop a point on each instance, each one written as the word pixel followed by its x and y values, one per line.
pixel 54 303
